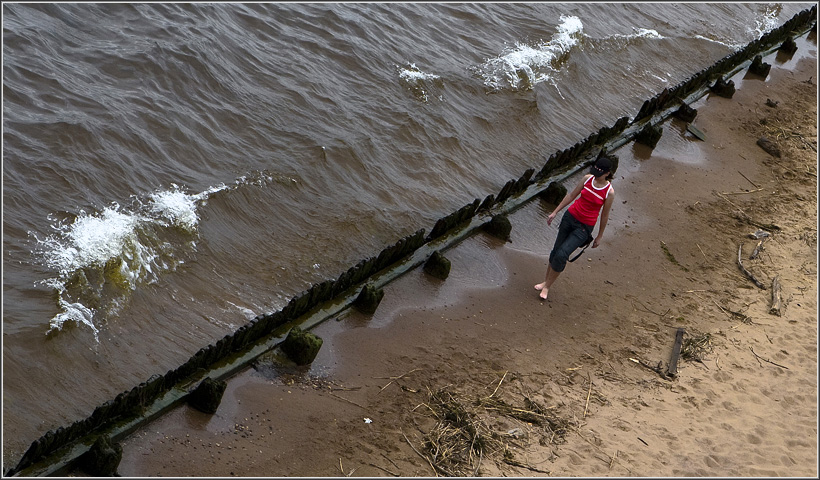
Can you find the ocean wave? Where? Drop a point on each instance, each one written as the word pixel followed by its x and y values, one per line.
pixel 101 257
pixel 523 66
pixel 731 45
pixel 767 21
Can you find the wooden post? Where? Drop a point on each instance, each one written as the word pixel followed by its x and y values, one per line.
pixel 777 302
pixel 673 362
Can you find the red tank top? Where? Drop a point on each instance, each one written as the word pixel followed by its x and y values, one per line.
pixel 587 207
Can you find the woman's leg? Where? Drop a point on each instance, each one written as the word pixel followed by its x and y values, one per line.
pixel 540 286
pixel 571 235
pixel 563 231
pixel 552 276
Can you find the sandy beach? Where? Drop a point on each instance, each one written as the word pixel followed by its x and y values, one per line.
pixel 475 376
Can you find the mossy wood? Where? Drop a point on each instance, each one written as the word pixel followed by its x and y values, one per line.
pixel 208 395
pixel 437 265
pixel 301 346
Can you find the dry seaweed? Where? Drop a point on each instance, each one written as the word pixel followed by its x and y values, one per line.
pixel 696 347
pixel 462 437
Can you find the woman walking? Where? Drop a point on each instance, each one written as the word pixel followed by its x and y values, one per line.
pixel 596 197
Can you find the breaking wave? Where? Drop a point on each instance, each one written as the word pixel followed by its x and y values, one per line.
pixel 101 257
pixel 523 66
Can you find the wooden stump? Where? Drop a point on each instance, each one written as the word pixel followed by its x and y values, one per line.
pixel 437 265
pixel 208 395
pixel 301 346
pixel 102 459
pixel 777 301
pixel 369 299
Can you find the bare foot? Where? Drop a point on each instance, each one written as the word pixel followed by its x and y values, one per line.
pixel 544 293
pixel 539 286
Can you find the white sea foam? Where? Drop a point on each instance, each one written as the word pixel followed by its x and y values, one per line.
pixel 643 33
pixel 90 240
pixel 767 20
pixel 419 82
pixel 733 46
pixel 101 257
pixel 523 66
pixel 74 312
pixel 178 207
pixel 413 74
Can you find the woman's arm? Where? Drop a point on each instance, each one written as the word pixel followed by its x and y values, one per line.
pixel 604 218
pixel 568 199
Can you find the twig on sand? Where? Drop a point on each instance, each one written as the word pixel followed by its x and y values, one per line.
pixel 346 400
pixel 478 465
pixel 384 469
pixel 516 463
pixel 757 249
pixel 650 367
pixel 611 458
pixel 588 394
pixel 743 318
pixel 397 378
pixel 745 216
pixel 765 360
pixel 419 453
pixel 499 384
pixel 747 178
pixel 730 202
pixel 650 311
pixel 741 193
pixel 777 302
pixel 746 272
pixel 701 251
pixel 391 461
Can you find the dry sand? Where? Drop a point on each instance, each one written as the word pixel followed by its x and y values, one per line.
pixel 553 388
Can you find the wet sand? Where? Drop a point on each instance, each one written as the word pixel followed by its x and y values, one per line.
pixel 365 407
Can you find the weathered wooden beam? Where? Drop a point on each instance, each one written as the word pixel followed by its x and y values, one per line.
pixel 672 370
pixel 777 301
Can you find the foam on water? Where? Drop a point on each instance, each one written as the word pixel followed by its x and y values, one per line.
pixel 767 21
pixel 523 66
pixel 101 257
pixel 731 45
pixel 643 33
pixel 418 82
pixel 177 207
pixel 90 239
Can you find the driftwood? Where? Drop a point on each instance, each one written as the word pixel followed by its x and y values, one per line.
pixel 746 272
pixel 743 216
pixel 759 358
pixel 656 369
pixel 777 302
pixel 769 146
pixel 672 369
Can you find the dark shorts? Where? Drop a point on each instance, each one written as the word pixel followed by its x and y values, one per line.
pixel 571 235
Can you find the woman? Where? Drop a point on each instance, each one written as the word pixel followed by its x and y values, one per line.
pixel 596 197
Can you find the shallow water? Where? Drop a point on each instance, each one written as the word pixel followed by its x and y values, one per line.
pixel 172 170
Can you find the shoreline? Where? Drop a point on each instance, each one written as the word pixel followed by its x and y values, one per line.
pixel 485 321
